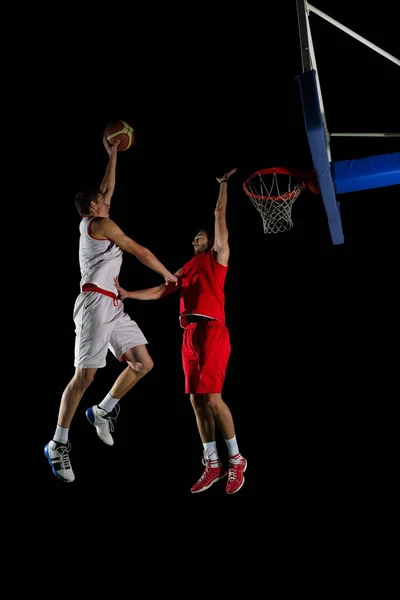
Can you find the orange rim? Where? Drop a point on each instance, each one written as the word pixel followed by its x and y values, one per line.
pixel 306 178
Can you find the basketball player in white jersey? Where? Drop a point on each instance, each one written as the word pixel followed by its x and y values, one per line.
pixel 100 321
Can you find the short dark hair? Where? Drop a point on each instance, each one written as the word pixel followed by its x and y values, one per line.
pixel 83 200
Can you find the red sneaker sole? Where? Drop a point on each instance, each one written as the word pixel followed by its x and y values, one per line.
pixel 203 489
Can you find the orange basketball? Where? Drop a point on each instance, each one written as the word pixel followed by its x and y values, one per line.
pixel 120 130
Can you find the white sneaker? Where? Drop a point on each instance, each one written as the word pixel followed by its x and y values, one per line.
pixel 103 421
pixel 58 456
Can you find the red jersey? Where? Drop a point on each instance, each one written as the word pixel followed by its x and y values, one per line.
pixel 202 288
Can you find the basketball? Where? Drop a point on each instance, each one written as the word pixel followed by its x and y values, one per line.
pixel 120 130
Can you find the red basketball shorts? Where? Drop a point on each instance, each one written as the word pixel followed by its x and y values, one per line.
pixel 205 353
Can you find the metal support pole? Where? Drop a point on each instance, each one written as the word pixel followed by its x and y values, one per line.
pixel 353 34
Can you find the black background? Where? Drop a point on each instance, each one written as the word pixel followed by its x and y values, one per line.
pixel 207 91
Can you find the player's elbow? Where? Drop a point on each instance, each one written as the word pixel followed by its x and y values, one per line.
pixel 144 254
pixel 220 212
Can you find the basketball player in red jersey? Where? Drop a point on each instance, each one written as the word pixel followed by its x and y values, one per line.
pixel 206 345
pixel 100 321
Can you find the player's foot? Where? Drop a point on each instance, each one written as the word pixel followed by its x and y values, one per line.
pixel 214 471
pixel 58 456
pixel 237 467
pixel 103 421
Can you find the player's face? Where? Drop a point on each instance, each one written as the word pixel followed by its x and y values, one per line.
pixel 103 206
pixel 200 242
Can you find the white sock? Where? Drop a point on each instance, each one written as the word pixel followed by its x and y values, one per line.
pixel 210 450
pixel 233 448
pixel 108 403
pixel 61 434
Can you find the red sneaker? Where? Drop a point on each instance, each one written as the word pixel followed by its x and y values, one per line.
pixel 237 467
pixel 214 471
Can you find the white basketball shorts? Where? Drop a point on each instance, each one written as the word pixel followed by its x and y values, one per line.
pixel 101 325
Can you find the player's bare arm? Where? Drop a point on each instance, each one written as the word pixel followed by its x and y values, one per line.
pixel 108 184
pixel 107 228
pixel 221 244
pixel 154 293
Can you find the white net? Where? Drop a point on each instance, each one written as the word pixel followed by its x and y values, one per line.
pixel 273 194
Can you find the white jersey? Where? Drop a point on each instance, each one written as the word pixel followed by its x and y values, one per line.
pixel 99 260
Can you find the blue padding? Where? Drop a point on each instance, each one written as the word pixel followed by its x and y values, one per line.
pixel 366 173
pixel 319 153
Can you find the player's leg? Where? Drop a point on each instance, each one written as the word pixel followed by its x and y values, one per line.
pixel 213 468
pixel 213 348
pixel 221 414
pixel 57 450
pixel 215 353
pixel 72 396
pixel 139 364
pixel 128 344
pixel 204 417
pixel 191 368
pixel 91 347
pixel 104 415
pixel 224 420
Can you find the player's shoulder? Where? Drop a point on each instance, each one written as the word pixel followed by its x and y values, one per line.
pixel 221 257
pixel 103 221
pixel 100 225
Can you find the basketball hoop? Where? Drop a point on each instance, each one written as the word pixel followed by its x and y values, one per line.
pixel 274 191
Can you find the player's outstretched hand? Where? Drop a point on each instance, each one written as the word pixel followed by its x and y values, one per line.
pixel 226 176
pixel 122 292
pixel 171 279
pixel 111 149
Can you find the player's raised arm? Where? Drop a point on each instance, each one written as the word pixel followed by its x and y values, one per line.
pixel 108 184
pixel 221 245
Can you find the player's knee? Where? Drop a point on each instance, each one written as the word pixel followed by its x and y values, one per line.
pixel 214 402
pixel 83 378
pixel 143 367
pixel 147 365
pixel 198 401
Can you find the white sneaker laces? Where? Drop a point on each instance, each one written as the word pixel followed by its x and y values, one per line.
pixel 232 469
pixel 207 463
pixel 63 452
pixel 110 418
